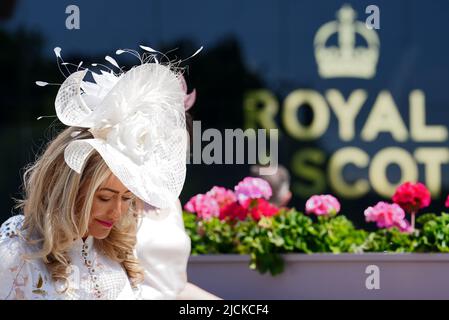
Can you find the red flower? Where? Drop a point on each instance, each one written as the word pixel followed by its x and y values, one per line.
pixel 412 197
pixel 258 208
pixel 446 204
pixel 254 208
pixel 233 211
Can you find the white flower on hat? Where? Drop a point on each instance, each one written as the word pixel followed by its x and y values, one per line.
pixel 132 137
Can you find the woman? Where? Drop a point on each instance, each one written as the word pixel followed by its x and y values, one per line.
pixel 76 238
pixel 77 235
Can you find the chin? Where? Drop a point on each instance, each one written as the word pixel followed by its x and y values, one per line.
pixel 100 235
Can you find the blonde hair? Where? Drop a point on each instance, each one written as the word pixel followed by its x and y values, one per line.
pixel 57 204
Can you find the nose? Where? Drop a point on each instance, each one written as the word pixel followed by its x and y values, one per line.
pixel 116 210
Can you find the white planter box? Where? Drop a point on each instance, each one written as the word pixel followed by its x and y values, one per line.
pixel 325 276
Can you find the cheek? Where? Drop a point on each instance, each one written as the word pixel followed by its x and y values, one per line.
pixel 126 206
pixel 125 209
pixel 99 209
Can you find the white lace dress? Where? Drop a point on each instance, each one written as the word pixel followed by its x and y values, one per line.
pixel 163 249
pixel 93 275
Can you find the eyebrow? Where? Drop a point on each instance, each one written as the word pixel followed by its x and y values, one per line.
pixel 111 190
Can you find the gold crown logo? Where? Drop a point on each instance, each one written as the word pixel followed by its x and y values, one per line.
pixel 346 60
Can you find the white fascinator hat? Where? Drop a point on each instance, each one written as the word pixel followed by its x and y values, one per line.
pixel 137 120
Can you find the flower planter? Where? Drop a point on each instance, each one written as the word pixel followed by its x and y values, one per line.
pixel 326 276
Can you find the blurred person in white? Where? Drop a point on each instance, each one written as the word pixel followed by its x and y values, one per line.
pixel 163 250
pixel 279 183
pixel 163 246
pixel 83 197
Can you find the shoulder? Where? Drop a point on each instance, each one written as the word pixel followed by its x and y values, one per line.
pixel 12 243
pixel 12 251
pixel 11 227
pixel 11 237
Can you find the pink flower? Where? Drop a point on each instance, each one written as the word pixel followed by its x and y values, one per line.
pixel 322 205
pixel 412 197
pixel 252 188
pixel 387 215
pixel 222 195
pixel 204 206
pixel 405 227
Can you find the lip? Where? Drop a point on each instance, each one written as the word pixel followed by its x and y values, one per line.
pixel 106 224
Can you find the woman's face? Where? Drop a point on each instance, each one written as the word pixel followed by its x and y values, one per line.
pixel 111 201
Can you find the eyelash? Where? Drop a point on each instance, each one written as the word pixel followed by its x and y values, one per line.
pixel 106 200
